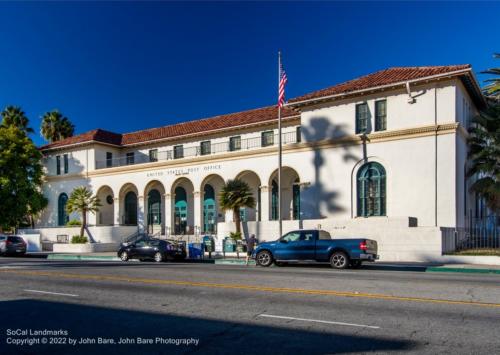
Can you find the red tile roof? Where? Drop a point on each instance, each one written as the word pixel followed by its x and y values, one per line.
pixel 383 77
pixel 231 120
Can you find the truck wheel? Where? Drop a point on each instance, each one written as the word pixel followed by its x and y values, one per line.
pixel 339 260
pixel 356 264
pixel 264 258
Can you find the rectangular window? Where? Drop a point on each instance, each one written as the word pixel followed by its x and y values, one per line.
pixel 381 115
pixel 178 152
pixel 361 118
pixel 205 148
pixel 130 158
pixel 58 165
pixel 109 159
pixel 299 134
pixel 234 143
pixel 267 138
pixel 66 163
pixel 153 155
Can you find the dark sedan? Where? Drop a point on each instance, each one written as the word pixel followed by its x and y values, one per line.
pixel 152 249
pixel 12 245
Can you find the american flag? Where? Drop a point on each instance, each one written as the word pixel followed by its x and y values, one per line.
pixel 281 90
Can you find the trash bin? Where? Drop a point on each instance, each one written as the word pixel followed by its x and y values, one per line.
pixel 195 250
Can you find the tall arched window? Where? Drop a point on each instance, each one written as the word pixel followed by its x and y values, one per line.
pixel 209 211
pixel 371 190
pixel 62 215
pixel 296 199
pixel 274 201
pixel 130 208
pixel 181 210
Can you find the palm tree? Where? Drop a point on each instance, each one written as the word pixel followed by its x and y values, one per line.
pixel 234 195
pixel 82 201
pixel 492 90
pixel 15 116
pixel 484 153
pixel 56 127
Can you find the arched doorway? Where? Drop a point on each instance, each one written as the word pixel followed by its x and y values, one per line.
pixel 290 193
pixel 105 216
pixel 209 209
pixel 130 208
pixel 252 179
pixel 62 215
pixel 180 211
pixel 371 190
pixel 154 210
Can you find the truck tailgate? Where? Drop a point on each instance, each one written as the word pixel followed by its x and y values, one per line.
pixel 371 246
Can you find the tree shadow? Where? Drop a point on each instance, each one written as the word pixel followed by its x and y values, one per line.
pixel 215 336
pixel 321 130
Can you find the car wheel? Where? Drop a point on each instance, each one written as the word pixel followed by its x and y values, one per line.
pixel 124 256
pixel 356 264
pixel 264 258
pixel 158 257
pixel 339 260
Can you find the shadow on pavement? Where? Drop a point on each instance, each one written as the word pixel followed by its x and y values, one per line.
pixel 215 336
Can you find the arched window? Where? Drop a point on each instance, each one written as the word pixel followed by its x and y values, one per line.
pixel 130 208
pixel 62 215
pixel 371 190
pixel 296 199
pixel 181 210
pixel 154 207
pixel 274 201
pixel 209 211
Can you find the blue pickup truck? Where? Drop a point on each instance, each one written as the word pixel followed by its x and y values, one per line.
pixel 316 246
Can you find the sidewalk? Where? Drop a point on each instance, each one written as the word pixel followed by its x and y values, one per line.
pixel 232 260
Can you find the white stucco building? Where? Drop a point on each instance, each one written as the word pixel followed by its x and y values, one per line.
pixel 381 156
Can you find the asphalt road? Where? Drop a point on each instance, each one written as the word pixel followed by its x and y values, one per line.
pixel 205 308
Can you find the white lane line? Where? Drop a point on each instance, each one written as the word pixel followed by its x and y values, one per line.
pixel 52 293
pixel 319 321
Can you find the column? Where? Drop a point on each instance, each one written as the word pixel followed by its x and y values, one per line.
pixel 116 211
pixel 197 211
pixel 264 203
pixel 167 215
pixel 140 214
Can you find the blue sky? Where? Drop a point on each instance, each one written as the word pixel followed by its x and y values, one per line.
pixel 126 66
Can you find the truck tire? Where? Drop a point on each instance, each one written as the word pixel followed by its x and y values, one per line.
pixel 264 258
pixel 339 260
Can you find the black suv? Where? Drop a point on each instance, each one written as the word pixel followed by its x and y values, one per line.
pixel 155 249
pixel 12 244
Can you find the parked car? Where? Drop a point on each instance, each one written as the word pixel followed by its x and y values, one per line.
pixel 12 245
pixel 152 249
pixel 316 246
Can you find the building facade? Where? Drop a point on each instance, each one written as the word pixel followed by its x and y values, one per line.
pixel 383 156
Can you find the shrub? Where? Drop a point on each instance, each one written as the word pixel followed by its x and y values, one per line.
pixel 76 239
pixel 235 235
pixel 74 222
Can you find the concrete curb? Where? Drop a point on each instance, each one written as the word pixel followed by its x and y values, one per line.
pixel 464 270
pixel 64 257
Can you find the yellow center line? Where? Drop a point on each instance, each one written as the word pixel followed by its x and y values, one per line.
pixel 247 287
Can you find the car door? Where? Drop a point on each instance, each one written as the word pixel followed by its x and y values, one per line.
pixel 287 247
pixel 306 246
pixel 138 249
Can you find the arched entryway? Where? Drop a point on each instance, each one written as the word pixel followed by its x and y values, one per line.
pixel 128 205
pixel 154 206
pixel 252 179
pixel 183 207
pixel 106 211
pixel 211 214
pixel 290 193
pixel 62 215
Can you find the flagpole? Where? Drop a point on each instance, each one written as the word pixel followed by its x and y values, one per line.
pixel 279 151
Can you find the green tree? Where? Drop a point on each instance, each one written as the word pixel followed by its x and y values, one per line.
pixel 234 195
pixel 492 90
pixel 484 155
pixel 82 201
pixel 15 116
pixel 21 175
pixel 55 126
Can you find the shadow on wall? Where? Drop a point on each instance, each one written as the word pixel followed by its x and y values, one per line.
pixel 215 336
pixel 319 129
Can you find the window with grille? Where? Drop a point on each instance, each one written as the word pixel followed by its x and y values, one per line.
pixel 362 118
pixel 234 143
pixel 381 115
pixel 205 148
pixel 178 152
pixel 267 138
pixel 153 155
pixel 371 190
